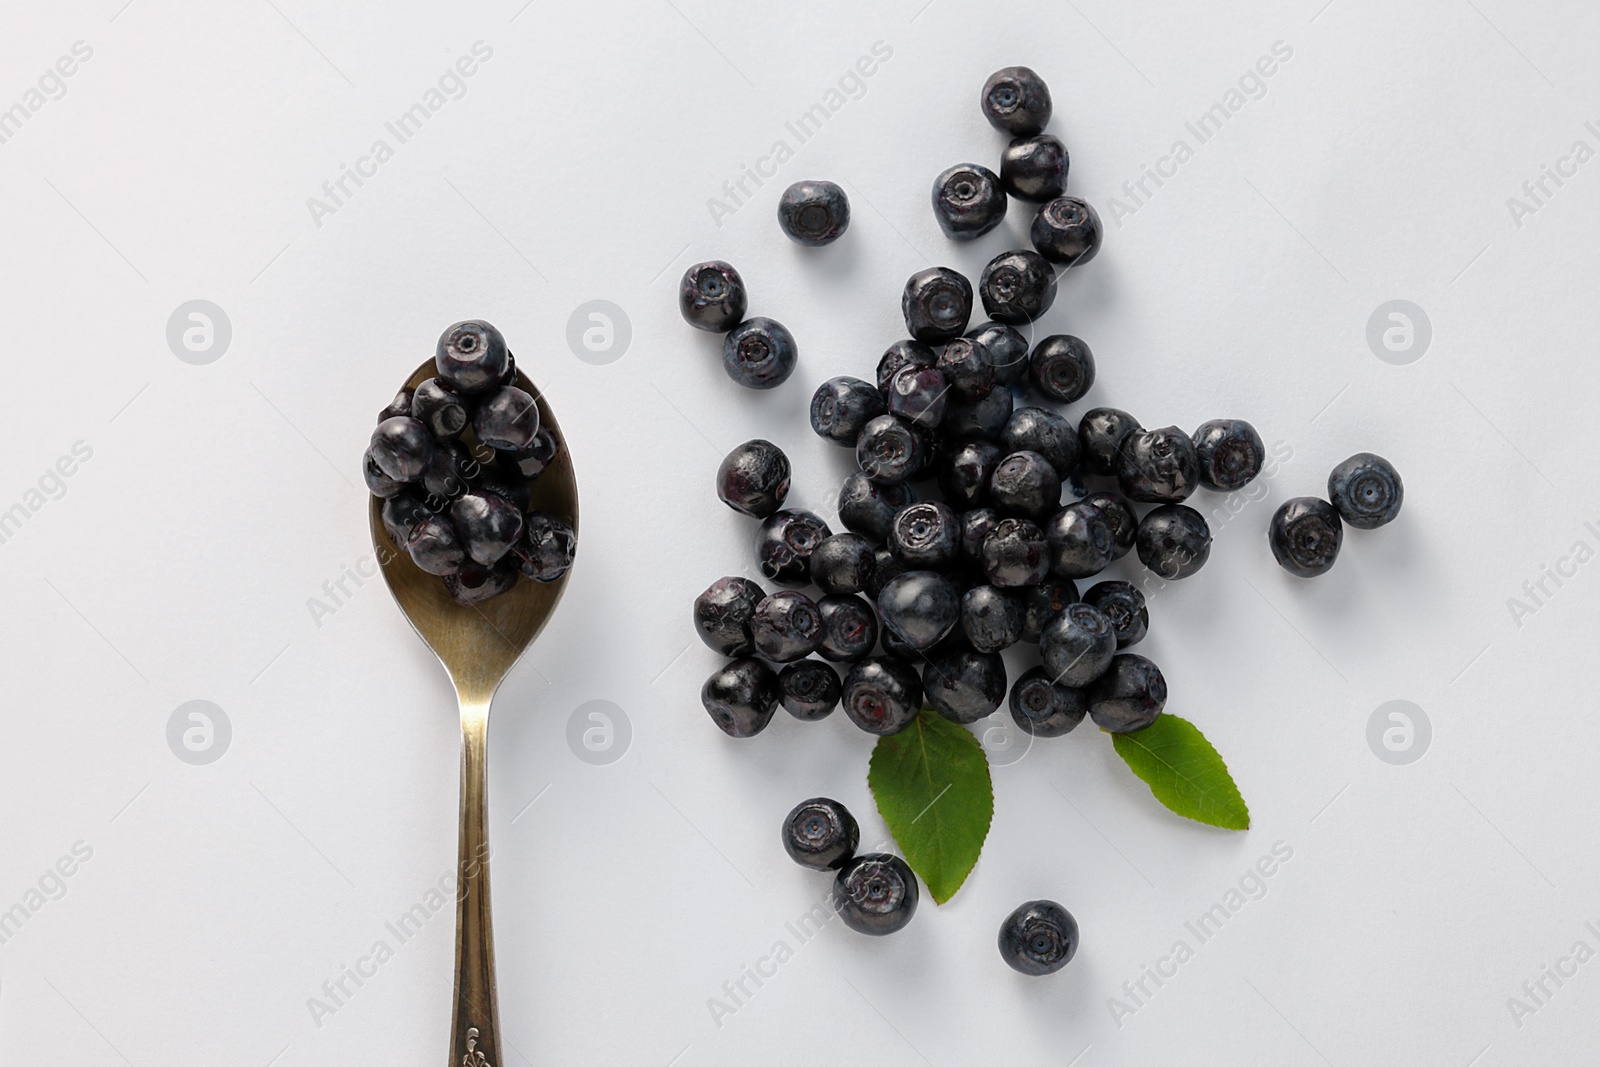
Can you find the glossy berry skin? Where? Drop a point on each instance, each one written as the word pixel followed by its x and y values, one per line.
pixel 1231 454
pixel 473 584
pixel 472 357
pixel 869 508
pixel 842 563
pixel 1007 350
pixel 964 474
pixel 449 472
pixel 1014 554
pixel 379 484
pixel 1061 368
pixel 1100 436
pixel 530 462
pixel 920 608
pixel 488 525
pixel 722 615
pixel 1124 520
pixel 1017 287
pixel 849 628
pixel 964 686
pixel 1042 603
pixel 1078 645
pixel 968 201
pixel 1158 466
pixel 1015 100
pixel 1041 430
pixel 936 304
pixel 917 395
pixel 401 447
pixel 1034 168
pixel 1043 708
pixel 813 213
pixel 891 450
pixel 904 353
pixel 1128 696
pixel 842 406
pixel 810 689
pixel 886 567
pixel 1124 605
pixel 975 526
pixel 1040 937
pixel 1174 541
pixel 966 367
pixel 547 547
pixel 1366 491
pixel 759 353
pixel 991 618
pixel 712 297
pixel 875 894
pixel 1305 535
pixel 401 513
pixel 966 420
pixel 507 419
pixel 753 479
pixel 1066 231
pixel 1081 541
pixel 741 696
pixel 1025 484
pixel 926 535
pixel 785 542
pixel 435 546
pixel 820 834
pixel 440 408
pixel 882 695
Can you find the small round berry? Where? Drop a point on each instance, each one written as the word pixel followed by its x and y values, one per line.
pixel 442 409
pixel 1081 541
pixel 1044 708
pixel 936 304
pixel 964 686
pixel 488 524
pixel 741 696
pixel 1366 490
pixel 842 406
pixel 786 626
pixel 1040 937
pixel 753 479
pixel 1015 554
pixel 1062 368
pixel 1017 287
pixel 402 513
pixel 1024 483
pixel 966 367
pixel 810 689
pixel 1158 466
pixel 1078 645
pixel 904 353
pixel 1034 168
pixel 1124 605
pixel 964 475
pixel 1174 541
pixel 379 484
pixel 849 628
pixel 722 615
pixel 759 353
pixel 977 419
pixel 507 419
pixel 991 618
pixel 920 608
pixel 926 535
pixel 1042 603
pixel 435 546
pixel 975 526
pixel 917 395
pixel 886 567
pixel 875 894
pixel 547 548
pixel 1100 436
pixel 401 448
pixel 869 508
pixel 1305 535
pixel 882 695
pixel 1006 348
pixel 820 834
pixel 1016 100
pixel 712 297
pixel 1231 454
pixel 813 212
pixel 1128 696
pixel 1066 231
pixel 785 542
pixel 1124 520
pixel 891 450
pixel 968 201
pixel 1041 430
pixel 471 356
pixel 531 462
pixel 842 563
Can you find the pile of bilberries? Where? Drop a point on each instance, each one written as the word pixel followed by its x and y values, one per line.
pixel 454 462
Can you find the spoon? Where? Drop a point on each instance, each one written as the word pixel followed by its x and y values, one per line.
pixel 478 645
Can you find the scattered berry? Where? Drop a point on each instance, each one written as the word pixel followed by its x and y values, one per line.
pixel 1034 168
pixel 1044 708
pixel 1174 541
pixel 753 479
pixel 1016 101
pixel 1366 491
pixel 1128 696
pixel 712 297
pixel 1100 436
pixel 1062 368
pixel 820 834
pixel 741 696
pixel 810 689
pixel 842 406
pixel 1017 287
pixel 813 212
pixel 937 303
pixel 1230 453
pixel 968 201
pixel 882 695
pixel 1066 231
pixel 1081 541
pixel 1040 937
pixel 722 615
pixel 1305 535
pixel 759 353
pixel 1158 466
pixel 785 542
pixel 472 357
pixel 875 894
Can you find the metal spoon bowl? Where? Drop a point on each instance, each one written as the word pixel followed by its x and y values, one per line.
pixel 478 645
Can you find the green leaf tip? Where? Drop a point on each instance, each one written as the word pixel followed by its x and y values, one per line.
pixel 1184 772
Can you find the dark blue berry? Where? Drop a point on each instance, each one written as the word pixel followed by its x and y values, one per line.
pixel 875 894
pixel 991 618
pixel 967 368
pixel 1017 287
pixel 968 201
pixel 1040 937
pixel 926 535
pixel 920 607
pixel 849 628
pixel 906 353
pixel 975 526
pixel 1045 709
pixel 530 462
pixel 1124 605
pixel 977 419
pixel 882 695
pixel 1040 430
pixel 1305 535
pixel 1101 433
pixel 379 484
pixel 741 696
pixel 400 405
pixel 759 353
pixel 472 357
pixel 842 563
pixel 443 410
pixel 1062 368
pixel 891 450
pixel 488 524
pixel 820 834
pixel 1078 645
pixel 712 297
pixel 937 303
pixel 917 395
pixel 1158 466
pixel 1014 554
pixel 1231 454
pixel 842 406
pixel 1043 602
pixel 401 513
pixel 1366 491
pixel 451 471
pixel 1006 348
pixel 1128 696
pixel 1034 168
pixel 753 479
pixel 547 547
pixel 1066 231
pixel 722 615
pixel 886 567
pixel 964 473
pixel 813 212
pixel 964 686
pixel 1025 483
pixel 785 542
pixel 473 584
pixel 1016 101
pixel 1081 541
pixel 810 689
pixel 869 508
pixel 401 447
pixel 507 418
pixel 1174 541
pixel 1124 520
pixel 435 546
pixel 786 626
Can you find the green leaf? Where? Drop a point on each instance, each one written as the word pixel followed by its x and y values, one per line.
pixel 931 782
pixel 1184 772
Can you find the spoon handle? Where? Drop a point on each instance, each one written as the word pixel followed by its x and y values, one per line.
pixel 475 1020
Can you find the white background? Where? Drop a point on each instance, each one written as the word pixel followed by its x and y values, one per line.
pixel 182 559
